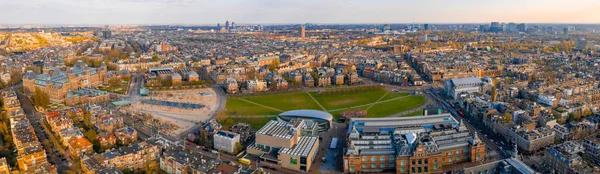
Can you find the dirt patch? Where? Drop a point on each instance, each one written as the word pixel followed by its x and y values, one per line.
pixel 342 102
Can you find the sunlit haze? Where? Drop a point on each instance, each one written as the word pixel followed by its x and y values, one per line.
pixel 211 12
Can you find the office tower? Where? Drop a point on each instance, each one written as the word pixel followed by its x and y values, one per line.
pixel 426 26
pixel 495 27
pixel 232 25
pixel 482 28
pixel 227 25
pixel 566 31
pixel 512 27
pixel 302 31
pixel 522 27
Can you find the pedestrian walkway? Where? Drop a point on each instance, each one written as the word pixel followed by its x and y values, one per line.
pixel 378 100
pixel 260 104
pixel 316 101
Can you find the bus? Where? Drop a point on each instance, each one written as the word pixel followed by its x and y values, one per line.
pixel 244 161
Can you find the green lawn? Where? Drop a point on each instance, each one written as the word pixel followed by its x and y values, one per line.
pixel 416 113
pixel 285 102
pixel 331 102
pixel 239 107
pixel 393 95
pixel 301 100
pixel 395 106
pixel 119 89
pixel 255 122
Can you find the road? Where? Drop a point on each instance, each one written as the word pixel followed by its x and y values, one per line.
pixel 35 118
pixel 491 148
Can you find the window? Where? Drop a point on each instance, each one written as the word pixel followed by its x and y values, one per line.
pixel 449 153
pixel 420 162
pixel 414 162
pixel 382 158
pixel 364 159
pixel 391 165
pixel 449 160
pixel 435 167
pixel 402 169
pixel 373 165
pixel 435 160
pixel 457 151
pixel 419 169
pixel 425 169
pixel 403 163
pixel 391 158
pixel 364 166
pixel 426 161
pixel 458 158
pixel 477 157
pixel 352 169
pixel 466 150
pixel 412 170
pixel 293 161
pixel 373 159
pixel 381 165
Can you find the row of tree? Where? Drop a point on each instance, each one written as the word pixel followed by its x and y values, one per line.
pixel 41 98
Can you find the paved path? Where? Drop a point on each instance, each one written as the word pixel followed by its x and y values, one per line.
pixel 358 106
pixel 407 111
pixel 378 100
pixel 252 116
pixel 260 104
pixel 316 101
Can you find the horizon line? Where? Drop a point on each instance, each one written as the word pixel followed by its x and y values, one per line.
pixel 274 23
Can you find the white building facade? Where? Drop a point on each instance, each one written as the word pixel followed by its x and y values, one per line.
pixel 225 141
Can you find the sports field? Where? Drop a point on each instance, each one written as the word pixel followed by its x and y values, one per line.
pixel 379 102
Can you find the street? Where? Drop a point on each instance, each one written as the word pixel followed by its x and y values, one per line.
pixel 492 150
pixel 35 118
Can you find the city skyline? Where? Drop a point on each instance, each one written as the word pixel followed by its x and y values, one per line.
pixel 204 12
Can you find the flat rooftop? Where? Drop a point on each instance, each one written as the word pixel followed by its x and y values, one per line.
pixel 427 121
pixel 303 148
pixel 279 129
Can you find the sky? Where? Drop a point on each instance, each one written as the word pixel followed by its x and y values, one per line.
pixel 211 12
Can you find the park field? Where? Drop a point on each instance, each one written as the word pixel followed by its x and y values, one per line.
pixel 345 100
pixel 379 102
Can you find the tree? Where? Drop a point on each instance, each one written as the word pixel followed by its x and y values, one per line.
pixel 91 135
pixel 273 66
pixel 72 116
pixel 221 116
pixel 151 167
pixel 40 98
pixel 507 117
pixel 493 93
pixel 238 148
pixel 155 58
pixel 114 82
pixel 87 119
pixel 113 54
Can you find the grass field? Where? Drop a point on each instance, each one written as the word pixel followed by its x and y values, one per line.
pixel 349 99
pixel 239 107
pixel 121 88
pixel 289 101
pixel 335 104
pixel 393 95
pixel 255 122
pixel 395 106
